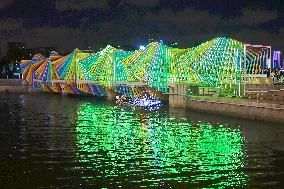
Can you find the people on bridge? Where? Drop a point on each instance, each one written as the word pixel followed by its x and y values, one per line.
pixel 120 99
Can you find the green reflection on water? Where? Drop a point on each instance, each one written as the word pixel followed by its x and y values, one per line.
pixel 153 148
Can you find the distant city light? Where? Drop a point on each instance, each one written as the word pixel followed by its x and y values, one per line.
pixel 142 47
pixel 276 59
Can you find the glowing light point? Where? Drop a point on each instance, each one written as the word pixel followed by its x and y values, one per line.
pixel 142 47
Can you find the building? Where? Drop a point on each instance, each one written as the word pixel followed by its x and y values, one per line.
pixel 45 51
pixel 15 53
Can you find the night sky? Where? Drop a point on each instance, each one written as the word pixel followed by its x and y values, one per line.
pixel 70 24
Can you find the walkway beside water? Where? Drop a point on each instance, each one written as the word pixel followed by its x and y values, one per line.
pixel 243 108
pixel 15 86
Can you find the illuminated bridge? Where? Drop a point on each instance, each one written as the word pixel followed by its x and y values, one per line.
pixel 159 70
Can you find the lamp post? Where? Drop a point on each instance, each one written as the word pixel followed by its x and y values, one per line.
pixel 245 49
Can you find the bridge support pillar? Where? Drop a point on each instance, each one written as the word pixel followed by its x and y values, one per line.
pixel 177 95
pixel 110 94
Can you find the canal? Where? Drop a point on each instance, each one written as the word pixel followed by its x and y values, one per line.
pixel 50 141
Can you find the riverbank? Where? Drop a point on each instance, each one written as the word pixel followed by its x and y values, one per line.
pixel 53 140
pixel 15 86
pixel 242 108
pixel 235 107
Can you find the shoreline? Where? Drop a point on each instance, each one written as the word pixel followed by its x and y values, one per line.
pixel 231 107
pixel 18 89
pixel 241 108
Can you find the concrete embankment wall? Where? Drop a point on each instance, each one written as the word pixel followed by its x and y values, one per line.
pixel 246 110
pixel 11 82
pixel 15 86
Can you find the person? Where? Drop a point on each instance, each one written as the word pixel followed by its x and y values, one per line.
pixel 281 76
pixel 278 75
pixel 117 98
pixel 272 75
pixel 120 100
pixel 123 98
pixel 4 72
pixel 267 73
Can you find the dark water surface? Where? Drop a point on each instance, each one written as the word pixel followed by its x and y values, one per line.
pixel 77 142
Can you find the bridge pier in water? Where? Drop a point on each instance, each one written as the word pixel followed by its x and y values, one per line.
pixel 110 94
pixel 177 95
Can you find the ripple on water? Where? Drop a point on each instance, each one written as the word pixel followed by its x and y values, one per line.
pixel 80 143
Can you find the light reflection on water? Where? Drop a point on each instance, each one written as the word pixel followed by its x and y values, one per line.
pixel 153 149
pixel 49 141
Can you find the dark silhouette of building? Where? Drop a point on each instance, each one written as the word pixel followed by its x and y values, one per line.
pixel 45 51
pixel 15 53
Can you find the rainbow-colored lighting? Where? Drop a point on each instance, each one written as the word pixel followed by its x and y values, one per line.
pixel 276 59
pixel 215 63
